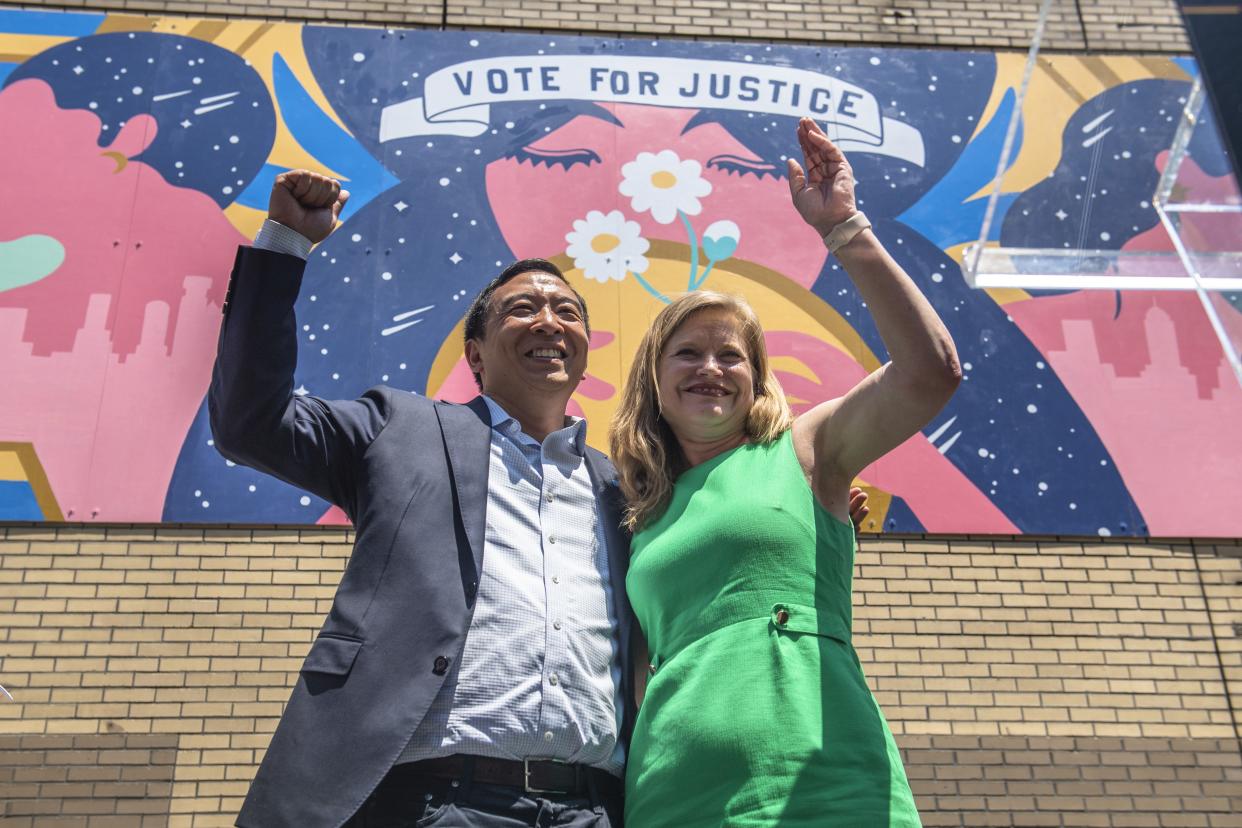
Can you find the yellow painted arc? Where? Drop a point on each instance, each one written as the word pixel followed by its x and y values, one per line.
pixel 247 220
pixel 1059 85
pixel 11 466
pixel 32 472
pixel 18 48
pixel 118 158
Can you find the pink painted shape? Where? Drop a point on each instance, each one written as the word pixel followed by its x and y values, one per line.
pixel 459 385
pixel 1165 406
pixel 105 362
pixel 124 227
pixel 943 499
pixel 772 233
pixel 138 133
pixel 1153 379
pixel 335 516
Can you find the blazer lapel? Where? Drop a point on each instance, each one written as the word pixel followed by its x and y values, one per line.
pixel 467 432
pixel 611 505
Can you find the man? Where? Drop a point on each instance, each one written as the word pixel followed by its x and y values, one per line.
pixel 470 668
pixel 473 669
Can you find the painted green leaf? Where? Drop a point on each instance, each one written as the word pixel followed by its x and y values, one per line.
pixel 28 259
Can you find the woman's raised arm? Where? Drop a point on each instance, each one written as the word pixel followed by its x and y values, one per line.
pixel 844 435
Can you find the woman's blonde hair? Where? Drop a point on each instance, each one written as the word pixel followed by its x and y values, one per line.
pixel 644 450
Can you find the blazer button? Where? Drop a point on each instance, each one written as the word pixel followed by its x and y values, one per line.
pixel 441 665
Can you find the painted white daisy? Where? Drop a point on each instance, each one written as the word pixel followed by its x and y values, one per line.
pixel 664 184
pixel 607 246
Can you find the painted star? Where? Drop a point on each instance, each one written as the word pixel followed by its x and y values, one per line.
pixel 1061 214
pixel 401 206
pixel 455 258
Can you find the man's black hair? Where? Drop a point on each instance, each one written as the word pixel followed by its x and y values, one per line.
pixel 476 317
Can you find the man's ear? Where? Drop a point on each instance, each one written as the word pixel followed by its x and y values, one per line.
pixel 474 357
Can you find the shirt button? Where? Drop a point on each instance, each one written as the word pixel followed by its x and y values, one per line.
pixel 556 579
pixel 547 736
pixel 552 679
pixel 551 538
pixel 551 497
pixel 556 625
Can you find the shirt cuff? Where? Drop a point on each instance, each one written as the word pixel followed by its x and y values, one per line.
pixel 277 238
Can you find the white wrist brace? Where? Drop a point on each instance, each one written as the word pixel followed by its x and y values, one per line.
pixel 844 233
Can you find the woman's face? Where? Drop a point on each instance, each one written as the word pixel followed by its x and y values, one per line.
pixel 705 378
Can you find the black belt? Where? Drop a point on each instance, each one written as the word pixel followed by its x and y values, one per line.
pixel 539 776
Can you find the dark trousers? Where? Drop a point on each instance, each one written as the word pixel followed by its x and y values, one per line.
pixel 406 799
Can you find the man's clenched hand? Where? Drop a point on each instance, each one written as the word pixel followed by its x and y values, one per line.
pixel 307 202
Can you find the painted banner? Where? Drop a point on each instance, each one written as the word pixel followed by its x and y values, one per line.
pixel 137 153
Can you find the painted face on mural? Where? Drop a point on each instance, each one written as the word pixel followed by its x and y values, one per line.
pixel 666 169
pixel 681 197
pixel 114 256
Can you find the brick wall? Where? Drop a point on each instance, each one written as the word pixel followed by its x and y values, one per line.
pixel 1029 682
pixel 1105 25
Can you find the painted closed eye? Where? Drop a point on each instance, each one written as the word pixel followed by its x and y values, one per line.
pixel 742 166
pixel 555 158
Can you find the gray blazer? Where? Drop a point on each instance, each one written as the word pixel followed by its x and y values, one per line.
pixel 411 473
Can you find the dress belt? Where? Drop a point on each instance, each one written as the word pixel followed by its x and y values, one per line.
pixel 531 775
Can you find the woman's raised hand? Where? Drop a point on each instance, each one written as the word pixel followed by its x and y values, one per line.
pixel 823 193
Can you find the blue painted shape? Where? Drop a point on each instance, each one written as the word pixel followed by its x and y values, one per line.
pixel 213 147
pixel 321 137
pixel 943 214
pixel 259 191
pixel 17 501
pixel 202 475
pixel 64 24
pixel 901 518
pixel 1004 374
pixel 5 69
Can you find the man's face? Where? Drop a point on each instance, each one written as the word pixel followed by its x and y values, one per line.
pixel 535 340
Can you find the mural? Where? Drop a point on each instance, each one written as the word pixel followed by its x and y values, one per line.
pixel 137 153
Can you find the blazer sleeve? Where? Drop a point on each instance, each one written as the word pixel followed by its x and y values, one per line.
pixel 256 419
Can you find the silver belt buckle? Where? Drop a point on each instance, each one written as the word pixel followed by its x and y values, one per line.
pixel 526 786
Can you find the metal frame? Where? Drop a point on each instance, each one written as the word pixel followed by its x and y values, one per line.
pixel 986 266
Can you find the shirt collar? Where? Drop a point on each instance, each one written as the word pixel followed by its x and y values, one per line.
pixel 574 431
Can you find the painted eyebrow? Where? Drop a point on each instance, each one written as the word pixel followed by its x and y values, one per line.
pixel 704 117
pixel 597 111
pixel 590 110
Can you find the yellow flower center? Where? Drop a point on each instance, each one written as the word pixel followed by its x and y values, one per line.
pixel 663 179
pixel 604 242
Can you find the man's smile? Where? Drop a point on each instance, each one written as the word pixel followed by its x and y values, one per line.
pixel 547 353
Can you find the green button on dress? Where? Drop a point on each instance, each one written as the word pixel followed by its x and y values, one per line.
pixel 757 713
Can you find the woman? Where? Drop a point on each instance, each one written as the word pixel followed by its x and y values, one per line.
pixel 756 712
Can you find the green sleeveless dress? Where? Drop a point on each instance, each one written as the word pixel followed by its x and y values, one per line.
pixel 757 713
